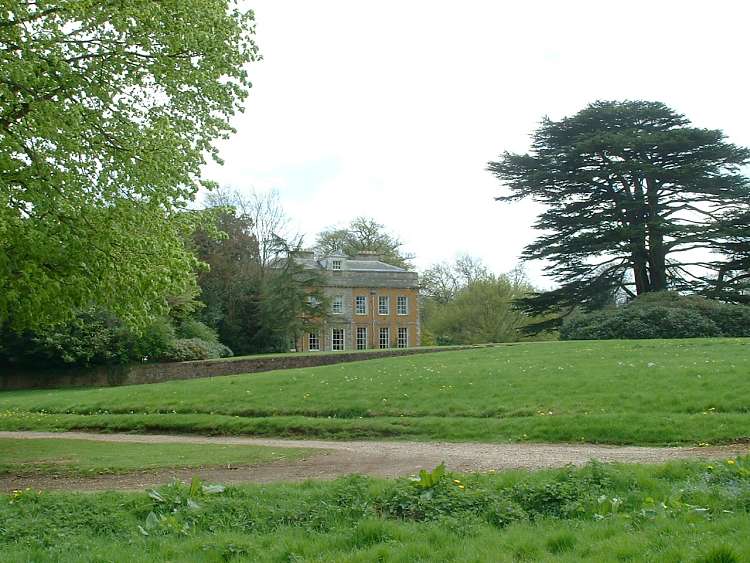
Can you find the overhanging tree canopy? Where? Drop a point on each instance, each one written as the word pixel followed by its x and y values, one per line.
pixel 636 200
pixel 107 110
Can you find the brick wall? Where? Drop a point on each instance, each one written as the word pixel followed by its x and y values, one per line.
pixel 154 373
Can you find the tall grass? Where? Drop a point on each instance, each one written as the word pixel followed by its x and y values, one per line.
pixel 677 512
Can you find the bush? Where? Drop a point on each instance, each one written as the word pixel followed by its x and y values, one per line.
pixel 91 338
pixel 190 328
pixel 661 315
pixel 156 340
pixel 190 349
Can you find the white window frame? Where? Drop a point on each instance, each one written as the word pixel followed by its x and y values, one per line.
pixel 361 338
pixel 363 310
pixel 337 305
pixel 399 300
pixel 336 265
pixel 334 339
pixel 384 299
pixel 403 342
pixel 316 336
pixel 384 343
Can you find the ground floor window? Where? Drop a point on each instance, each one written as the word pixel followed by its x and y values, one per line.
pixel 403 337
pixel 361 338
pixel 313 342
pixel 337 339
pixel 385 338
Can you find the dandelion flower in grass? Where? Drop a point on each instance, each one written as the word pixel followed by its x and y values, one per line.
pixel 456 481
pixel 731 462
pixel 461 487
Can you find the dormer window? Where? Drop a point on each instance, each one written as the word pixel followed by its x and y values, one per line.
pixel 335 264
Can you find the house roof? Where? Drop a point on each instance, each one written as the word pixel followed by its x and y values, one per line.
pixel 353 265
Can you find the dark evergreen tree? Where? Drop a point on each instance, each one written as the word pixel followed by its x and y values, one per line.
pixel 636 200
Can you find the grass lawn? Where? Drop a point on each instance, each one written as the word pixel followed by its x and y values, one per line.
pixel 85 457
pixel 619 392
pixel 686 511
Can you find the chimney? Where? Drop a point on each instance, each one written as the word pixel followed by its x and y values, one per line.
pixel 305 254
pixel 368 255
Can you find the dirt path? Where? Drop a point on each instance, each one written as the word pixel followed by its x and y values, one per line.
pixel 380 459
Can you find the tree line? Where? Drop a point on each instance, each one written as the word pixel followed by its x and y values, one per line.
pixel 108 112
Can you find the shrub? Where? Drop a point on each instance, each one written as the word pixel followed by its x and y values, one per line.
pixel 156 340
pixel 189 349
pixel 93 337
pixel 190 328
pixel 661 315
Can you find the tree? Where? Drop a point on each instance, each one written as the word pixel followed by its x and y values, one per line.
pixel 364 234
pixel 442 282
pixel 256 295
pixel 107 112
pixel 464 303
pixel 481 311
pixel 636 200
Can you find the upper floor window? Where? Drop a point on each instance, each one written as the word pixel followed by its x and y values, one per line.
pixel 337 304
pixel 402 305
pixel 384 305
pixel 336 264
pixel 360 305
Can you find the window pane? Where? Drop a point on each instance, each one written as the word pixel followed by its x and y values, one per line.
pixel 337 339
pixel 313 342
pixel 337 305
pixel 360 305
pixel 361 338
pixel 383 305
pixel 403 337
pixel 385 338
pixel 402 305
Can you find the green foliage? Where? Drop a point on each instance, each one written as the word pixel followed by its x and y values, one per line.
pixel 191 328
pixel 723 554
pixel 191 349
pixel 90 338
pixel 100 338
pixel 348 520
pixel 661 315
pixel 629 190
pixel 256 296
pixel 107 114
pixel 430 479
pixel 464 303
pixel 363 234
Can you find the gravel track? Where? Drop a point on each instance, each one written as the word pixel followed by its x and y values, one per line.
pixel 379 459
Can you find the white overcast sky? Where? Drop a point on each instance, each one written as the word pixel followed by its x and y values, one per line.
pixel 392 109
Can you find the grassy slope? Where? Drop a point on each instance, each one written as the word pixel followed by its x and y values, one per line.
pixel 647 392
pixel 84 457
pixel 677 512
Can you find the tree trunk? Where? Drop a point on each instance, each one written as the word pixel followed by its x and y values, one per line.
pixel 639 254
pixel 656 253
pixel 640 271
